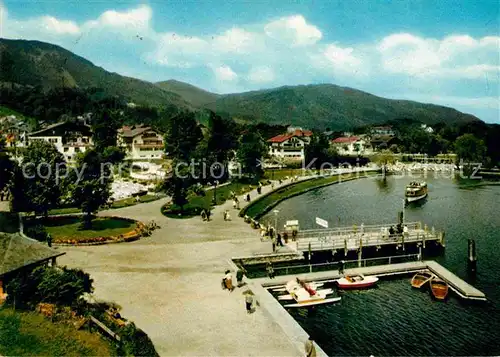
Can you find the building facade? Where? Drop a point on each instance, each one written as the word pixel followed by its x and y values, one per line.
pixel 141 142
pixel 352 145
pixel 69 138
pixel 290 146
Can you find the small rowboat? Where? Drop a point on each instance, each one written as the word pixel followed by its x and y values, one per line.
pixel 357 281
pixel 314 302
pixel 290 297
pixel 421 279
pixel 439 288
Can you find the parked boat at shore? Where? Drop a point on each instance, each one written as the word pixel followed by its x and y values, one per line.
pixel 357 281
pixel 420 279
pixel 415 191
pixel 304 294
pixel 439 288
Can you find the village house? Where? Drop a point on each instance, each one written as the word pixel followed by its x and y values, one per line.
pixel 382 131
pixel 141 142
pixel 352 145
pixel 17 253
pixel 290 146
pixel 70 138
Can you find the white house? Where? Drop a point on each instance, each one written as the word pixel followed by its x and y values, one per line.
pixel 69 138
pixel 141 142
pixel 290 146
pixel 352 145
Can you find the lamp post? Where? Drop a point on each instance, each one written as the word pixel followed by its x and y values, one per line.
pixel 276 220
pixel 214 200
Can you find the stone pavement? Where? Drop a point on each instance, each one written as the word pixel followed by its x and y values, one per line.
pixel 169 284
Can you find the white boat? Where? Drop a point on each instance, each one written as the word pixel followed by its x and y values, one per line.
pixel 415 191
pixel 290 297
pixel 312 285
pixel 358 281
pixel 305 295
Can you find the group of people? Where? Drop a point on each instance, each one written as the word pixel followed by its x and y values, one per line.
pixel 205 215
pixel 4 195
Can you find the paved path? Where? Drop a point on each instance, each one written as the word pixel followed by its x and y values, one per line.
pixel 169 284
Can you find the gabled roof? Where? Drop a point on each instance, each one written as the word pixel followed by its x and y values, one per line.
pixel 299 133
pixel 280 138
pixel 57 125
pixel 17 252
pixel 133 131
pixel 345 140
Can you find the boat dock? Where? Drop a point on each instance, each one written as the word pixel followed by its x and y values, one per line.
pixel 459 286
pixel 356 238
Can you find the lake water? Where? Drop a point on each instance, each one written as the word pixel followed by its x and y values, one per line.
pixel 394 319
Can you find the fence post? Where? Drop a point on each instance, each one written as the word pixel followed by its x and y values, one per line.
pixel 310 268
pixel 389 260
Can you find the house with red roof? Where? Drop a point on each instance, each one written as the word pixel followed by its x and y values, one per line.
pixel 352 145
pixel 291 145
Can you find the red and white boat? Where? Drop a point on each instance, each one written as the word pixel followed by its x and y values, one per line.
pixel 358 281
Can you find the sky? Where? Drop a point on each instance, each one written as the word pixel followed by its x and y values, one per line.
pixel 437 51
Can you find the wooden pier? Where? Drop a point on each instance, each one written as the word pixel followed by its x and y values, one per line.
pixel 457 285
pixel 359 237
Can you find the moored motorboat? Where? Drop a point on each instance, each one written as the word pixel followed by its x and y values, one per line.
pixel 420 279
pixel 290 297
pixel 358 281
pixel 415 191
pixel 439 288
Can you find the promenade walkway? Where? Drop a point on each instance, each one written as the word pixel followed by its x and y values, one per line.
pixel 169 284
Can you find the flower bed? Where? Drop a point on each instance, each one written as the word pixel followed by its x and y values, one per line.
pixel 65 230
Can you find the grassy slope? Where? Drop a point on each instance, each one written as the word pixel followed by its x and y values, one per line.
pixel 328 105
pixel 193 95
pixel 39 63
pixel 31 334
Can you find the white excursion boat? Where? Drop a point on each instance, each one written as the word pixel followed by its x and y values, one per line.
pixel 357 281
pixel 305 295
pixel 415 191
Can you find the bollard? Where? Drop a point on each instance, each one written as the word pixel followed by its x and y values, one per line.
pixel 472 256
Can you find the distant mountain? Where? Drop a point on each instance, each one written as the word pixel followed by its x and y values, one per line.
pixel 311 106
pixel 328 105
pixel 195 96
pixel 38 63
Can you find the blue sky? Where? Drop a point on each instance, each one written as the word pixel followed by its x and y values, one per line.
pixel 442 52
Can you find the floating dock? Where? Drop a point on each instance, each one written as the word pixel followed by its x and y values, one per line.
pixel 356 238
pixel 459 286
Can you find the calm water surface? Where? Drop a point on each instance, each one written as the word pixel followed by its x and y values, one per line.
pixel 394 319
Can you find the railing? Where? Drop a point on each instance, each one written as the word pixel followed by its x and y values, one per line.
pixel 314 268
pixel 375 228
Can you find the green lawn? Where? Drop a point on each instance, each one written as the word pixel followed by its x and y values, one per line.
pixel 126 202
pixel 198 203
pixel 266 203
pixel 64 228
pixel 9 222
pixel 281 174
pixel 31 334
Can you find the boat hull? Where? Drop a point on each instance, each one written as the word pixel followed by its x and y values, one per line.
pixel 367 282
pixel 415 198
pixel 314 302
pixel 290 297
pixel 439 289
pixel 419 280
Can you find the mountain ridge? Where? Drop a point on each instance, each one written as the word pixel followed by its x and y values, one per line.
pixel 311 106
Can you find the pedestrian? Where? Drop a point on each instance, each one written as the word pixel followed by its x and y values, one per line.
pixel 249 302
pixel 237 203
pixel 228 216
pixel 234 203
pixel 248 197
pixel 273 240
pixel 208 214
pixel 228 279
pixel 49 240
pixel 203 215
pixel 341 267
pixel 310 348
pixel 224 214
pixel 1 196
pixel 239 277
pixel 270 270
pixel 279 242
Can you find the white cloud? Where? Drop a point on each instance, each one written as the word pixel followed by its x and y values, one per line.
pixel 174 50
pixel 261 74
pixel 133 20
pixel 236 40
pixel 61 27
pixel 293 30
pixel 224 73
pixel 458 56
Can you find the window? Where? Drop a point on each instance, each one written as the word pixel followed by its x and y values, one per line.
pixel 66 149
